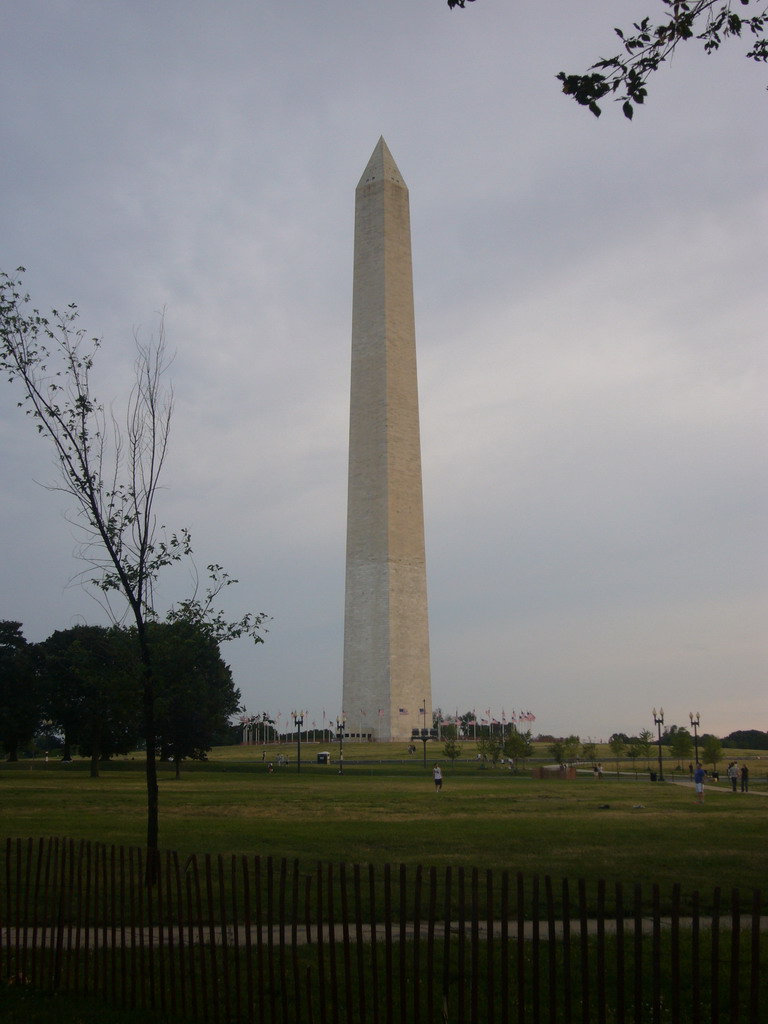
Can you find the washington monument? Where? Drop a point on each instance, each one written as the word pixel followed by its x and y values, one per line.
pixel 387 688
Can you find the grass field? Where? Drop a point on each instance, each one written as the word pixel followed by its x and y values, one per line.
pixel 620 828
pixel 384 809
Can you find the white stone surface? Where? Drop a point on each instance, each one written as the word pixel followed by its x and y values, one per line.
pixel 386 631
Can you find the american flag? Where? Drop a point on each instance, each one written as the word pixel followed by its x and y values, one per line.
pixel 403 711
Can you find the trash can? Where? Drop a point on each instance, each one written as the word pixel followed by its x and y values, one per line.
pixel 653 776
pixel 324 757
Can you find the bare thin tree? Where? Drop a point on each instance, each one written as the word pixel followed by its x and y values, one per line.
pixel 112 473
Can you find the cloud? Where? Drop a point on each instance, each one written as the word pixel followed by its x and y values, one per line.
pixel 589 301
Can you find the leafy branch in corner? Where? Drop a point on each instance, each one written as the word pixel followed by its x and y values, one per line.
pixel 648 46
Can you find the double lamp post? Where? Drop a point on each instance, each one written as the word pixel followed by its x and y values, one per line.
pixel 658 721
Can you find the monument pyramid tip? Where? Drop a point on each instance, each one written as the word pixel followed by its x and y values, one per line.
pixel 381 166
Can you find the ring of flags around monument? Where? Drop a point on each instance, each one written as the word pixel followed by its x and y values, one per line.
pixel 265 727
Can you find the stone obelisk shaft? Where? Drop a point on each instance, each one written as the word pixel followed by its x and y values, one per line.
pixel 387 690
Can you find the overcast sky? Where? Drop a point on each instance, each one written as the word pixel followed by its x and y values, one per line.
pixel 590 307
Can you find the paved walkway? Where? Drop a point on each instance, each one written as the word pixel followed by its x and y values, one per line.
pixel 718 787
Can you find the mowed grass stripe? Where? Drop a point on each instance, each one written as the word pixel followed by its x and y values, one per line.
pixel 648 832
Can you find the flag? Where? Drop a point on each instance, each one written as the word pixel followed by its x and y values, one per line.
pixel 403 711
pixel 381 711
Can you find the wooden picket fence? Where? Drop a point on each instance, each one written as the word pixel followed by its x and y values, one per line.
pixel 265 941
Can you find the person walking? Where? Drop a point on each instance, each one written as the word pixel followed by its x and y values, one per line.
pixel 744 779
pixel 437 775
pixel 733 773
pixel 698 782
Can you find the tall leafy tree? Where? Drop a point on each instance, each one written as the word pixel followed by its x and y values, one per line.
pixel 517 745
pixel 589 751
pixel 490 748
pixel 681 744
pixel 196 696
pixel 20 711
pixel 644 742
pixel 652 41
pixel 112 475
pixel 571 747
pixel 617 742
pixel 711 750
pixel 452 749
pixel 90 690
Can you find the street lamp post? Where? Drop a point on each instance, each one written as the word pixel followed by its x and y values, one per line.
pixel 695 723
pixel 425 735
pixel 340 733
pixel 658 721
pixel 298 719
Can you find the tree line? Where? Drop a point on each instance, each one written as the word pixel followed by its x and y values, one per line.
pixel 77 690
pixel 497 740
pixel 677 739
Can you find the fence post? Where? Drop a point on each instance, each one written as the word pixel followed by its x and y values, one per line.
pixel 334 979
pixel 754 966
pixel 475 943
pixel 295 901
pixel 536 948
pixel 374 943
pixel 344 908
pixel 447 904
pixel 224 959
pixel 490 943
pixel 417 944
pixel 320 944
pixel 552 949
pixel 584 951
pixel 675 951
pixel 735 949
pixel 715 962
pixel 601 993
pixel 620 952
pixel 360 943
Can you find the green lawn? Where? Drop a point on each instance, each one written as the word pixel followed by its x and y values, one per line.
pixel 377 814
pixel 617 828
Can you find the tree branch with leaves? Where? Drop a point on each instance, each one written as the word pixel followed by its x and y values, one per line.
pixel 650 44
